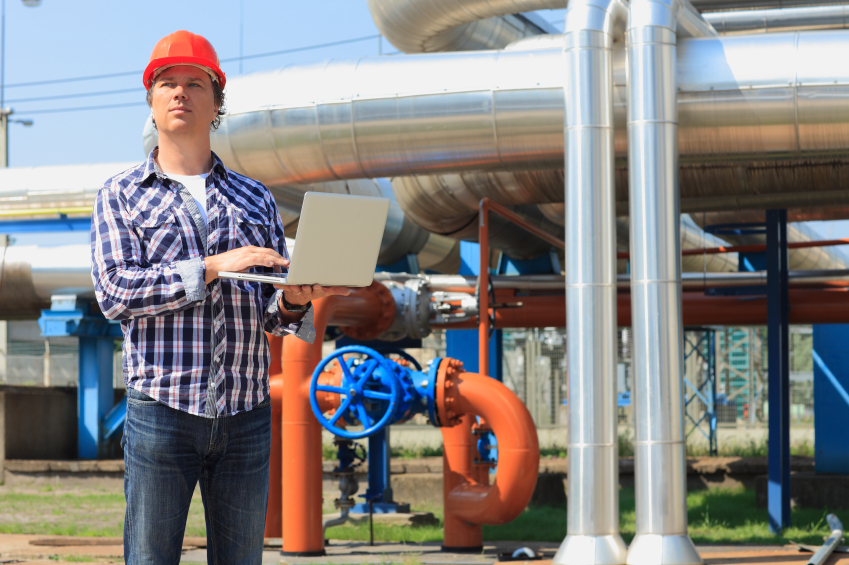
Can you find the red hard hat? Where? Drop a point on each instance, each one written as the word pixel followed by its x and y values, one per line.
pixel 183 48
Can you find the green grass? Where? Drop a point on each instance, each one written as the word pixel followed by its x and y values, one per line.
pixel 71 514
pixel 715 516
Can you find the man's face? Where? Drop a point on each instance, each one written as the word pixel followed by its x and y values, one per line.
pixel 183 101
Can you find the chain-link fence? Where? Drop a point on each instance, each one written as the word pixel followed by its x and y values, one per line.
pixel 535 368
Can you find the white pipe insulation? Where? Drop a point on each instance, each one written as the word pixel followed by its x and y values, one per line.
pixel 592 538
pixel 660 472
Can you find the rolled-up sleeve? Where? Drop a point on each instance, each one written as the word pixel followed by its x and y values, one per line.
pixel 274 322
pixel 126 289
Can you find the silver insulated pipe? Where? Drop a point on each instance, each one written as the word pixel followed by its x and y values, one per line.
pixel 592 537
pixel 760 116
pixel 659 441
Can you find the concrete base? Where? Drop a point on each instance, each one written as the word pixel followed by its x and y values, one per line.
pixel 810 490
pixel 591 550
pixel 654 549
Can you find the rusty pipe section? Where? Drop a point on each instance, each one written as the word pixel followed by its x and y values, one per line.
pixel 469 500
pixel 808 306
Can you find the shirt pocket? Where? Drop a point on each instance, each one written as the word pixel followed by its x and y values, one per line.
pixel 161 236
pixel 251 228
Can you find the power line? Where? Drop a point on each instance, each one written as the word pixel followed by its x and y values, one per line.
pixel 80 108
pixel 74 79
pixel 297 49
pixel 81 95
pixel 233 59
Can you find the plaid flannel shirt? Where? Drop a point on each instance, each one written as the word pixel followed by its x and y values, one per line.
pixel 196 347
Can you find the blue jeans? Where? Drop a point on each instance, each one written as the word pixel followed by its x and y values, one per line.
pixel 166 453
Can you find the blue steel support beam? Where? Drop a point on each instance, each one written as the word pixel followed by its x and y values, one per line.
pixel 778 331
pixel 95 394
pixel 831 398
pixel 60 224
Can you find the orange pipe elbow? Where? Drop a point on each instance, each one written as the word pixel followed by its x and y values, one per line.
pixel 462 395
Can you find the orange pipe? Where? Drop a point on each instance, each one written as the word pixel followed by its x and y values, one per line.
pixel 807 306
pixel 274 515
pixel 483 288
pixel 754 248
pixel 468 499
pixel 366 313
pixel 301 453
pixel 457 471
pixel 371 308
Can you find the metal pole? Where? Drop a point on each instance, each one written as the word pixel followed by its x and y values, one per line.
pixel 659 443
pixel 830 544
pixel 4 136
pixel 483 289
pixel 751 359
pixel 2 54
pixel 714 447
pixel 593 536
pixel 778 336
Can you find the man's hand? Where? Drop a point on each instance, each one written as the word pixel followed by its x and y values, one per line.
pixel 299 295
pixel 241 259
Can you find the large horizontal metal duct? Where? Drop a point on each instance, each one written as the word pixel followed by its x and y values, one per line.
pixel 67 189
pixel 440 204
pixel 714 5
pixel 420 26
pixel 30 275
pixel 692 237
pixel 764 120
pixel 780 19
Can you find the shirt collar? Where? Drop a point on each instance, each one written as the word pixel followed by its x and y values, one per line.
pixel 152 168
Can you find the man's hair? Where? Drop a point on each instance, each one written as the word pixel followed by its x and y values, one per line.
pixel 218 95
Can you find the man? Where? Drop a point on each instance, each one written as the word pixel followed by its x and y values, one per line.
pixel 195 353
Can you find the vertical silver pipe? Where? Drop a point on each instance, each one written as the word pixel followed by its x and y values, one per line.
pixel 659 457
pixel 593 505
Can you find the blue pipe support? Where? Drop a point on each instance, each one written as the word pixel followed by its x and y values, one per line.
pixel 778 335
pixel 99 420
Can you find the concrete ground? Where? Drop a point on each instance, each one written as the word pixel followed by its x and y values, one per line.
pixel 52 550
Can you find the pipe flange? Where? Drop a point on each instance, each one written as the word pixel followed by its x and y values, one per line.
pixel 418 308
pixel 446 392
pixel 383 322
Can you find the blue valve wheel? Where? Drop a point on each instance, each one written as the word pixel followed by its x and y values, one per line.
pixel 386 351
pixel 369 391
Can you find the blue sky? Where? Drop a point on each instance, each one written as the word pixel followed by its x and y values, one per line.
pixel 76 38
pixel 64 39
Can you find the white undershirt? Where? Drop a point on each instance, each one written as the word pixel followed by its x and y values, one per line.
pixel 196 185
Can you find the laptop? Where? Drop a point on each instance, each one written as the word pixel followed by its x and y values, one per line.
pixel 338 240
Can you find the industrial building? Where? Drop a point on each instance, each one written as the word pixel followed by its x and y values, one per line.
pixel 592 230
